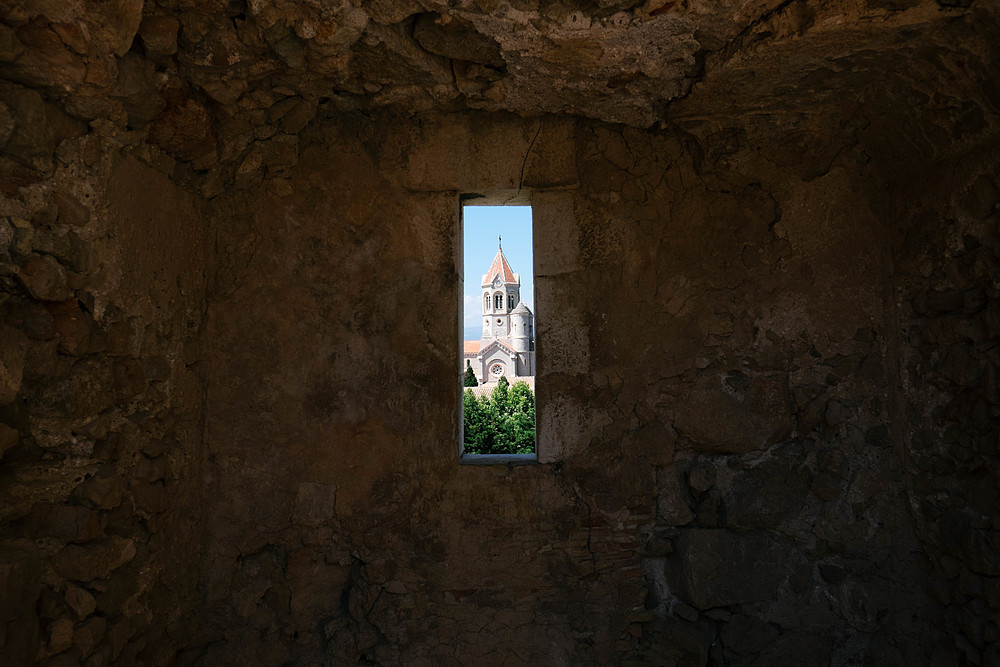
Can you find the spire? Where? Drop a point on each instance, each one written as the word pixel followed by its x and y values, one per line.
pixel 502 268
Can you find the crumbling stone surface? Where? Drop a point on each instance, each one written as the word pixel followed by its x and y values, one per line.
pixel 801 529
pixel 766 268
pixel 712 565
pixel 948 329
pixel 99 294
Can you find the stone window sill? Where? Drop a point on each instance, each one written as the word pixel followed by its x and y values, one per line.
pixel 498 459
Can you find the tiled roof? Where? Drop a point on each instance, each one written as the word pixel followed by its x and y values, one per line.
pixel 501 267
pixel 491 384
pixel 470 347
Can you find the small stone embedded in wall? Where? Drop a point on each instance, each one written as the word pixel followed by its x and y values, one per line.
pixel 13 346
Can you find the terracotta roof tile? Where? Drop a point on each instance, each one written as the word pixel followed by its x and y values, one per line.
pixel 470 347
pixel 501 267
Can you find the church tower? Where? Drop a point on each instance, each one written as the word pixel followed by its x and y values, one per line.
pixel 507 347
pixel 501 294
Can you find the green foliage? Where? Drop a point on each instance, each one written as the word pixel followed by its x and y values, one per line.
pixel 501 423
pixel 469 379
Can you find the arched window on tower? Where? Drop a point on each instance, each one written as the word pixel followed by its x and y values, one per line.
pixel 486 302
pixel 498 302
pixel 510 301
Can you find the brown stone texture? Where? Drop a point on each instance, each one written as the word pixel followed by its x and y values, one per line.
pixel 766 269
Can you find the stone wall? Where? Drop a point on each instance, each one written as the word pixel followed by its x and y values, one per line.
pixel 229 334
pixel 946 259
pixel 101 302
pixel 725 470
pixel 773 449
pixel 947 289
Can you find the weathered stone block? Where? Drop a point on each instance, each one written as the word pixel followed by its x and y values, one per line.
pixel 300 115
pixel 315 584
pixel 747 635
pixel 44 277
pixel 13 347
pixel 446 154
pixel 556 231
pixel 857 606
pixel 70 211
pixel 20 584
pixel 456 39
pixel 806 650
pixel 73 325
pixel 315 504
pixel 95 560
pixel 20 578
pixel 83 391
pixel 151 498
pixel 826 486
pixel 761 496
pixel 159 35
pixel 119 632
pixel 38 126
pixel 717 568
pixel 671 503
pixel 66 246
pixel 732 412
pixel 701 477
pixel 89 634
pixel 551 161
pixel 129 379
pixel 186 131
pixel 105 489
pixel 70 523
pixel 978 547
pixel 136 88
pixel 36 320
pixel 60 635
pixel 9 437
pixel 151 469
pixel 80 601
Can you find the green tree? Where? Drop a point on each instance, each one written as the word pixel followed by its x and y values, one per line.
pixel 500 393
pixel 470 377
pixel 476 425
pixel 522 422
pixel 502 422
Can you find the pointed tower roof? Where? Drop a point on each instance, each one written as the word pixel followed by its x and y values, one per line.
pixel 521 309
pixel 502 268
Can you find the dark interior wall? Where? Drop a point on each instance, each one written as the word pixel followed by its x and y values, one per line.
pixel 367 539
pixel 718 355
pixel 768 395
pixel 943 224
pixel 103 294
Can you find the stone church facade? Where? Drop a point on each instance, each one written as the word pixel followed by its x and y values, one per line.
pixel 507 347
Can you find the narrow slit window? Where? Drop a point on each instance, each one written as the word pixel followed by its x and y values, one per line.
pixel 498 416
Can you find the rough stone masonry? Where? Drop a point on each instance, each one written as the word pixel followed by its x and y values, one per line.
pixel 767 269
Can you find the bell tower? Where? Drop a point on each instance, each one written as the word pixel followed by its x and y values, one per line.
pixel 501 290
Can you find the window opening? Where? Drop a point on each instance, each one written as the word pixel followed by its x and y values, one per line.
pixel 499 351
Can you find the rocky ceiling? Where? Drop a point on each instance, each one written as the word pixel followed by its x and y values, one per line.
pixel 195 73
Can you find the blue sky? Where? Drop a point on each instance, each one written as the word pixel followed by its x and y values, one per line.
pixel 483 224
